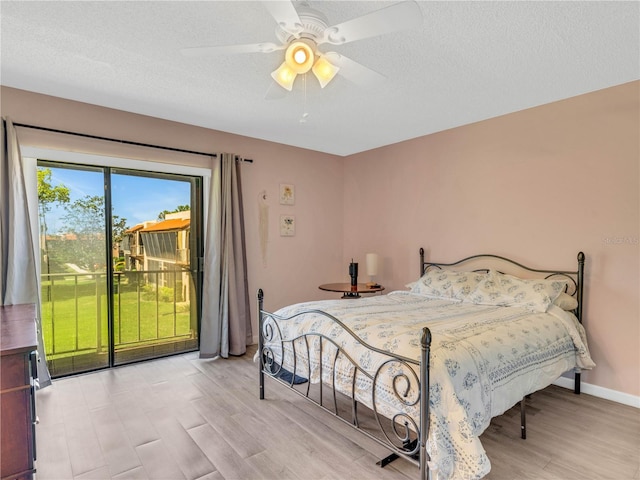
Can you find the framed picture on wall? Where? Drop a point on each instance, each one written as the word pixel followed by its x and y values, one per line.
pixel 287 194
pixel 287 225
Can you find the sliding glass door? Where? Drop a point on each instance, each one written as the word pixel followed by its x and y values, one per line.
pixel 119 265
pixel 155 259
pixel 73 250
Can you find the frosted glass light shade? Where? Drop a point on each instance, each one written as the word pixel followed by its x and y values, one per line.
pixel 299 57
pixel 372 264
pixel 284 76
pixel 324 71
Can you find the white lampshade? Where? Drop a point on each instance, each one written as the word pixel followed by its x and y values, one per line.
pixel 372 264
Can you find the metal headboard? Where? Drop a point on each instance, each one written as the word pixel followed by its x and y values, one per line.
pixel 574 278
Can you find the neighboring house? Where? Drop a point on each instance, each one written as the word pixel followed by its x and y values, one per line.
pixel 161 248
pixel 132 247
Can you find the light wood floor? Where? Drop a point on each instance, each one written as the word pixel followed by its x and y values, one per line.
pixel 185 418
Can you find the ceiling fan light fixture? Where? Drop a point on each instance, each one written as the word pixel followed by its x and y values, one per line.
pixel 299 57
pixel 284 76
pixel 324 71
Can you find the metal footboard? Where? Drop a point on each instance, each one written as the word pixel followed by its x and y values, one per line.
pixel 292 362
pixel 404 432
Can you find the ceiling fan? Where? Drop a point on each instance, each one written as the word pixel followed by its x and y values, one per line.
pixel 302 30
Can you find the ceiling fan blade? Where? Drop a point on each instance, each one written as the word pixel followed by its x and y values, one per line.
pixel 266 47
pixel 354 71
pixel 401 16
pixel 285 14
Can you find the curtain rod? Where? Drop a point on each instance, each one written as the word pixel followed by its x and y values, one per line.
pixel 125 142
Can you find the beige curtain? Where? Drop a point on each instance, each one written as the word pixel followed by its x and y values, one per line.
pixel 226 319
pixel 19 279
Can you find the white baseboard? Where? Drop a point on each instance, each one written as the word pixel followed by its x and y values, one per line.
pixel 601 392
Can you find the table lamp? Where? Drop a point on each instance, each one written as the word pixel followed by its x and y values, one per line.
pixel 372 269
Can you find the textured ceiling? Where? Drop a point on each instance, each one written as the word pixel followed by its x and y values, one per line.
pixel 468 62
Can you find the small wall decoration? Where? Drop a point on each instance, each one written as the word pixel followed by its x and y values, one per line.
pixel 287 194
pixel 287 225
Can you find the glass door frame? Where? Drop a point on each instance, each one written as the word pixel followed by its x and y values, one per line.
pixel 195 251
pixel 201 177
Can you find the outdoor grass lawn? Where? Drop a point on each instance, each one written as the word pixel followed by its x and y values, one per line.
pixel 79 306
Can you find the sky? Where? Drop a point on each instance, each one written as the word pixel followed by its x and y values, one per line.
pixel 135 198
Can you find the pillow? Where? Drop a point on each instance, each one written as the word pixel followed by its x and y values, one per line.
pixel 506 290
pixel 447 284
pixel 566 302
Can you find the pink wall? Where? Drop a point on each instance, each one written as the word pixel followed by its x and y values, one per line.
pixel 295 265
pixel 538 186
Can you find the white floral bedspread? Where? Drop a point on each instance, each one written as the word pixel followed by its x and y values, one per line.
pixel 484 359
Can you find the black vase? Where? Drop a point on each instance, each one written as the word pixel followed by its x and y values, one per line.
pixel 353 272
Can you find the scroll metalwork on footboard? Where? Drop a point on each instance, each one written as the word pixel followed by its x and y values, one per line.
pixel 371 362
pixel 311 362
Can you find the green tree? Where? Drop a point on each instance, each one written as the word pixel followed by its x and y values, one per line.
pixel 85 218
pixel 179 208
pixel 48 194
pixel 118 227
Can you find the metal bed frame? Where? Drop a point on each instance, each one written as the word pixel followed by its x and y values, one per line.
pixel 402 434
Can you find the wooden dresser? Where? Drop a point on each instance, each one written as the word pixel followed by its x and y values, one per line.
pixel 18 362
